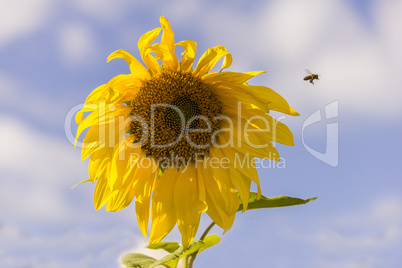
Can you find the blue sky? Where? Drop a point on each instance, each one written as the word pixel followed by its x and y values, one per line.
pixel 53 54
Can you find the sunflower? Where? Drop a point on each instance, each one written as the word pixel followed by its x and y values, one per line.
pixel 179 141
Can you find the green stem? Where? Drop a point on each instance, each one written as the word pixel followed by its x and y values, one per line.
pixel 189 260
pixel 185 262
pixel 206 231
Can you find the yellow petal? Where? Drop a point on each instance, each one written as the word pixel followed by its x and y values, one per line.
pixel 91 142
pixel 143 190
pixel 270 99
pixel 279 131
pixel 105 114
pixel 143 44
pixel 210 58
pixel 274 101
pixel 245 164
pixel 122 196
pixel 190 48
pixel 163 215
pixel 99 162
pixel 256 126
pixel 227 61
pixel 212 190
pixel 222 177
pixel 217 205
pixel 269 152
pixel 102 193
pixel 102 136
pixel 123 191
pixel 168 34
pixel 102 93
pixel 218 215
pixel 136 67
pixel 79 116
pixel 187 204
pixel 242 185
pixel 202 190
pixel 126 85
pixel 229 77
pixel 168 41
pixel 120 88
pixel 163 54
pixel 123 163
pixel 232 97
pixel 262 128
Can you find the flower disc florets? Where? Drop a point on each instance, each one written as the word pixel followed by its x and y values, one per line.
pixel 181 116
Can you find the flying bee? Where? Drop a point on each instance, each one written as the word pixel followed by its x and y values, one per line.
pixel 311 77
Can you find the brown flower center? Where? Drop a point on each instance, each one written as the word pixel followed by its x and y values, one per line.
pixel 175 117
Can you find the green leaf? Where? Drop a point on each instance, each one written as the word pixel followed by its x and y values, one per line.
pixel 193 248
pixel 170 260
pixel 209 241
pixel 137 260
pixel 190 250
pixel 168 246
pixel 273 202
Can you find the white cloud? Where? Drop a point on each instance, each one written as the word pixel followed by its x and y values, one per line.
pixel 141 247
pixel 387 20
pixel 357 238
pixel 21 17
pixel 78 44
pixel 290 29
pixel 367 262
pixel 338 242
pixel 9 90
pixel 45 224
pixel 35 168
pixel 379 226
pixel 18 97
pixel 73 248
pixel 354 62
pixel 358 64
pixel 38 153
pixel 37 171
pixel 105 10
pixel 388 210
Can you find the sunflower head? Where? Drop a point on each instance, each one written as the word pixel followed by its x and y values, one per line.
pixel 178 140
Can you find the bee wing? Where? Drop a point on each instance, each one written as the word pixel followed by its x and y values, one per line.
pixel 308 71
